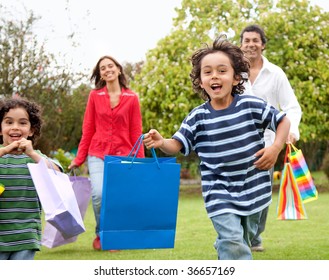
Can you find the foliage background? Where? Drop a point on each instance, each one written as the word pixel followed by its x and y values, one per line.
pixel 297 41
pixel 29 71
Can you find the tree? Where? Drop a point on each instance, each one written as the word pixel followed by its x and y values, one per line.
pixel 163 84
pixel 27 70
pixel 298 43
pixel 72 113
pixel 132 69
pixel 297 35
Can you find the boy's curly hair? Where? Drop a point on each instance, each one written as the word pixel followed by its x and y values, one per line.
pixel 32 109
pixel 239 63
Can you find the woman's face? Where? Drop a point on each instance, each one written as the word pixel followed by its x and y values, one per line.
pixel 109 71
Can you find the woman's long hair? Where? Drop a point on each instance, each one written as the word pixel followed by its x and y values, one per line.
pixel 99 83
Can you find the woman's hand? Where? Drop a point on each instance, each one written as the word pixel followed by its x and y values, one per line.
pixel 73 165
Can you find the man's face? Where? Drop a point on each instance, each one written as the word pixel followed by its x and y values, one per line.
pixel 252 45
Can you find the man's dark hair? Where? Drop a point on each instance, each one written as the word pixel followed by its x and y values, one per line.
pixel 254 28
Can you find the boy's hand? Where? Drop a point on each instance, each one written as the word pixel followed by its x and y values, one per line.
pixel 25 146
pixel 12 148
pixel 267 157
pixel 291 139
pixel 153 139
pixel 19 147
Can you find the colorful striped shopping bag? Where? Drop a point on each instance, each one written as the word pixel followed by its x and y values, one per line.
pixel 302 174
pixel 290 203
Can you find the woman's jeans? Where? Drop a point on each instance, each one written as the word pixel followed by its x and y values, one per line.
pixel 18 255
pixel 96 172
pixel 234 235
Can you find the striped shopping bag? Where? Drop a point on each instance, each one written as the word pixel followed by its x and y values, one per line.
pixel 290 203
pixel 302 174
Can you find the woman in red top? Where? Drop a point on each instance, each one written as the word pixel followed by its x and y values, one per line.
pixel 111 126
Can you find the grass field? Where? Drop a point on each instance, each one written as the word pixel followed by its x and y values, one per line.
pixel 283 240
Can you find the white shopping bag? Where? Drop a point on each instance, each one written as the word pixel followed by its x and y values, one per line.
pixel 57 199
pixel 51 237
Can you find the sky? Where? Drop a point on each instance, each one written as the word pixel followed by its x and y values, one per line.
pixel 124 29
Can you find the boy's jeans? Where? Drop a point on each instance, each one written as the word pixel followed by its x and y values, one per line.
pixel 18 255
pixel 234 235
pixel 96 172
pixel 257 240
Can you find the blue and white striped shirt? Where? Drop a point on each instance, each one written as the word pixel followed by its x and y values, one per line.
pixel 226 142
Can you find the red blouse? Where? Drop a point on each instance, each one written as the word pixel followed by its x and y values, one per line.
pixel 110 131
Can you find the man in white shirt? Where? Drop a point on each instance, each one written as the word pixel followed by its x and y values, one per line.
pixel 269 82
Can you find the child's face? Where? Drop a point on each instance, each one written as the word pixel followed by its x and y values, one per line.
pixel 217 78
pixel 15 126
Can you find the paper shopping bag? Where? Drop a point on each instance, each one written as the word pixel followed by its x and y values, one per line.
pixel 139 202
pixel 290 203
pixel 302 175
pixel 52 237
pixel 57 199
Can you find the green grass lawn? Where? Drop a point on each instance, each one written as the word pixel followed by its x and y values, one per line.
pixel 283 240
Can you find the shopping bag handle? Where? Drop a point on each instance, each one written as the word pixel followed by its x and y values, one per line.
pixel 136 148
pixel 288 152
pixel 72 173
pixel 50 164
pixel 293 146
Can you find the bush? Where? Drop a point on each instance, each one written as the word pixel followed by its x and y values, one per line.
pixel 65 159
pixel 189 166
pixel 325 165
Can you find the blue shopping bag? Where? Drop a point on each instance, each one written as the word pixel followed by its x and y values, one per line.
pixel 139 201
